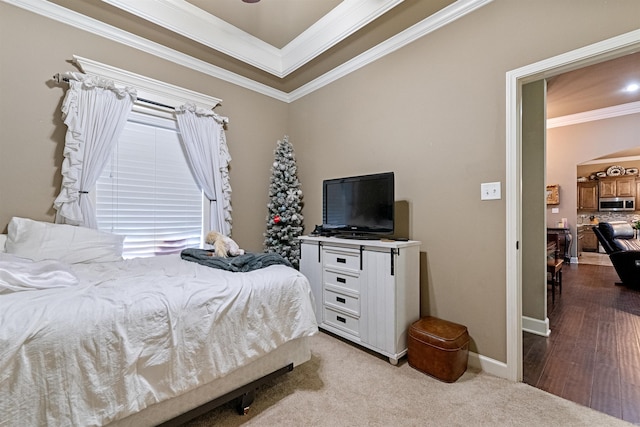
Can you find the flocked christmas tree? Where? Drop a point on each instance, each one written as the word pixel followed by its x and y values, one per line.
pixel 284 221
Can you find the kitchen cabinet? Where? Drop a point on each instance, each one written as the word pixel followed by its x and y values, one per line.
pixel 587 240
pixel 588 196
pixel 579 240
pixel 621 186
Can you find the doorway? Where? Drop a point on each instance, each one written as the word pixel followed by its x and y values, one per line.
pixel 589 357
pixel 592 54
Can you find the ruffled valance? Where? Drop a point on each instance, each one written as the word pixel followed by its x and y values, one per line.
pixel 193 108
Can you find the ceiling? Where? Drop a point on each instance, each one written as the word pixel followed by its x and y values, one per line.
pixel 276 22
pixel 286 45
pixel 599 86
pixel 594 87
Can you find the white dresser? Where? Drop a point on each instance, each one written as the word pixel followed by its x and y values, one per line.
pixel 367 291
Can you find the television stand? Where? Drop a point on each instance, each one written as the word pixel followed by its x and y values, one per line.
pixel 366 291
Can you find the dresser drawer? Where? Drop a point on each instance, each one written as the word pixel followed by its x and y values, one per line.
pixel 339 301
pixel 342 321
pixel 341 258
pixel 342 279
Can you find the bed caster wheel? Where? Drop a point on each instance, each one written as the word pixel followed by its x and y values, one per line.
pixel 244 403
pixel 393 361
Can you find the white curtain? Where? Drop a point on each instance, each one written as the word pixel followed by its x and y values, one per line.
pixel 205 143
pixel 95 112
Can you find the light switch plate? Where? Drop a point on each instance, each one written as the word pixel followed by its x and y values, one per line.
pixel 490 191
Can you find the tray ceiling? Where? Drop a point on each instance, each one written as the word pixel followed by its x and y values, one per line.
pixel 286 48
pixel 276 22
pixel 283 44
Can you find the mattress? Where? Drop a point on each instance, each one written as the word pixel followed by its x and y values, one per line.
pixel 135 333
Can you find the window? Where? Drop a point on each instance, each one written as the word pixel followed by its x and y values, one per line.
pixel 147 191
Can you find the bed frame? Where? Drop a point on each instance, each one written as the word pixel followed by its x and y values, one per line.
pixel 240 384
pixel 244 396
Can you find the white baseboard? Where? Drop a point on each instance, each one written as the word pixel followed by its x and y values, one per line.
pixel 488 365
pixel 499 369
pixel 536 326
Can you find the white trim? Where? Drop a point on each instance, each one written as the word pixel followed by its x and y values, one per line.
pixel 487 365
pixel 344 20
pixel 611 160
pixel 438 20
pixel 189 21
pixel 65 16
pixel 600 114
pixel 513 368
pixel 594 53
pixel 58 13
pixel 536 326
pixel 146 87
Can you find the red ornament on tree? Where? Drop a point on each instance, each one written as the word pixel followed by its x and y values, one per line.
pixel 276 219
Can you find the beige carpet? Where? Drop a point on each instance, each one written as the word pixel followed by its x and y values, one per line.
pixel 343 385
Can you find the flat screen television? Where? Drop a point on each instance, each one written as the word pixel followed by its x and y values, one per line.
pixel 359 206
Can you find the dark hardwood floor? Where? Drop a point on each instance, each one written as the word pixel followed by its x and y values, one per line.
pixel 593 354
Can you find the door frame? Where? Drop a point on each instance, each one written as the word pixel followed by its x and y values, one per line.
pixel 592 54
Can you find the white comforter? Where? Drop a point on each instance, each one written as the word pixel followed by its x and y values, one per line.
pixel 20 274
pixel 137 332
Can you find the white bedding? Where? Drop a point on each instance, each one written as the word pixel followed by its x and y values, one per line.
pixel 19 274
pixel 137 332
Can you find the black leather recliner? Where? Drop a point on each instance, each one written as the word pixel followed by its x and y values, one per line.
pixel 623 248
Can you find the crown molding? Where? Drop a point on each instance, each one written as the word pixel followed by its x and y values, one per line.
pixel 342 21
pixel 599 114
pixel 93 26
pixel 438 20
pixel 188 20
pixel 443 17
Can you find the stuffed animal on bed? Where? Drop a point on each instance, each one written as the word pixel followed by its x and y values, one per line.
pixel 223 246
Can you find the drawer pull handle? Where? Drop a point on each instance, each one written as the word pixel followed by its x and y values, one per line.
pixel 340 299
pixel 341 280
pixel 342 260
pixel 341 319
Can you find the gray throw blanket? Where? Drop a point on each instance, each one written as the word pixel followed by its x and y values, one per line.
pixel 240 263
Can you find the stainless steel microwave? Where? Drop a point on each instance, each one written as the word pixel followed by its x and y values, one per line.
pixel 617 204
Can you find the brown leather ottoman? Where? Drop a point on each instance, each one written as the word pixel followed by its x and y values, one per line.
pixel 438 348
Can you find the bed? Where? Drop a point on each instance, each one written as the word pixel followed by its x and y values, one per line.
pixel 87 338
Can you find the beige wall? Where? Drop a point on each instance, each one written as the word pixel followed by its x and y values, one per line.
pixel 35 48
pixel 433 112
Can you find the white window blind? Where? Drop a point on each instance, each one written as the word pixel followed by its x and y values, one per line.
pixel 147 192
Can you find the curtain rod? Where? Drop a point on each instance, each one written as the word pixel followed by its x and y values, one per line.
pixel 58 78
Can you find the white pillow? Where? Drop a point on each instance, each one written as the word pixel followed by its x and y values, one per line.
pixel 38 241
pixel 3 238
